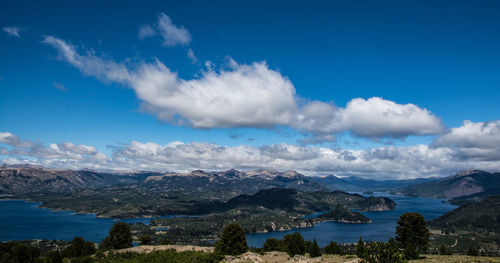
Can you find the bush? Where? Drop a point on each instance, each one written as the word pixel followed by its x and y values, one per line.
pixel 380 252
pixel 444 250
pixel 294 244
pixel 472 252
pixel 333 248
pixel 232 240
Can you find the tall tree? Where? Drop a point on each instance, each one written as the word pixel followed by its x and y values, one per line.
pixel 119 237
pixel 412 234
pixel 361 248
pixel 232 240
pixel 294 244
pixel 315 251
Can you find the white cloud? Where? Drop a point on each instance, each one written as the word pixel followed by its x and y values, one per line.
pixel 146 31
pixel 60 86
pixel 377 118
pixel 380 162
pixel 13 31
pixel 89 64
pixel 172 35
pixel 250 95
pixel 473 140
pixel 485 135
pixel 192 56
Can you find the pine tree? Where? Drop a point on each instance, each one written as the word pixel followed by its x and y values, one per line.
pixel 232 240
pixel 315 251
pixel 412 234
pixel 361 249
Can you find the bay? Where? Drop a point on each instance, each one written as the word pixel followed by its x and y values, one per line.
pixel 382 228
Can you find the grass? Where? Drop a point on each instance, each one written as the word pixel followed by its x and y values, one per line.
pixel 455 259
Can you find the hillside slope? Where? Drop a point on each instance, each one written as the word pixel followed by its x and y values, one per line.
pixel 462 184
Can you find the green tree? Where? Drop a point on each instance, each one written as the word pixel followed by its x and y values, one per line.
pixel 232 240
pixel 53 256
pixel 412 234
pixel 145 240
pixel 314 251
pixel 361 248
pixel 79 247
pixel 119 237
pixel 294 244
pixel 333 248
pixel 18 252
pixel 272 244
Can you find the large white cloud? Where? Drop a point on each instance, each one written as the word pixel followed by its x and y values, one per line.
pixel 380 162
pixel 250 95
pixel 473 140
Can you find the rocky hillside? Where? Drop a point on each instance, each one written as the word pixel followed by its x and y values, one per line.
pixel 481 216
pixel 304 202
pixel 30 180
pixel 343 214
pixel 233 181
pixel 358 184
pixel 462 184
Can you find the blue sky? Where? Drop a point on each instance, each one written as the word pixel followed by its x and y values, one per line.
pixel 435 63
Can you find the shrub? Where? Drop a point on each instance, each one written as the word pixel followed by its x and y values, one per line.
pixel 380 252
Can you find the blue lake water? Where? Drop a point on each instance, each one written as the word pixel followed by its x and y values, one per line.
pixel 381 229
pixel 21 220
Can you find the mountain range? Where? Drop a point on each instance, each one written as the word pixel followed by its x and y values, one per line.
pixel 466 183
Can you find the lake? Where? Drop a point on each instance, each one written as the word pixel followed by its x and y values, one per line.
pixel 381 229
pixel 20 220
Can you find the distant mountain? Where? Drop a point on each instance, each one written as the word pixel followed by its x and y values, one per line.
pixel 230 183
pixel 465 183
pixel 474 197
pixel 27 179
pixel 483 216
pixel 358 184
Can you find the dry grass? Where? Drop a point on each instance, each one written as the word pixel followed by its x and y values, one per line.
pixel 455 259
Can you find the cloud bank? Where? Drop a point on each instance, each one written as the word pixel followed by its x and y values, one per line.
pixel 249 95
pixel 443 157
